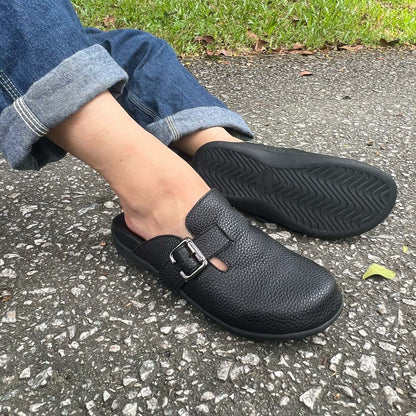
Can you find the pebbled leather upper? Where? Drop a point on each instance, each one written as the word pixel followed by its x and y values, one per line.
pixel 267 288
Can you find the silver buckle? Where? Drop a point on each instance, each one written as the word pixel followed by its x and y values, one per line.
pixel 196 252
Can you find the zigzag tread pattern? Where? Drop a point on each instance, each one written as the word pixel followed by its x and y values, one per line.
pixel 336 198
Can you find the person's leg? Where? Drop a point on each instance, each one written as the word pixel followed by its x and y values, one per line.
pixel 305 195
pixel 156 187
pixel 190 143
pixel 266 291
pixel 54 99
pixel 162 95
pixel 257 288
pixel 48 70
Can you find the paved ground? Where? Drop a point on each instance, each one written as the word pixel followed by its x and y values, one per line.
pixel 82 332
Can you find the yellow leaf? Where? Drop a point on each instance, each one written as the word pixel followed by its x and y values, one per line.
pixel 377 270
pixel 405 249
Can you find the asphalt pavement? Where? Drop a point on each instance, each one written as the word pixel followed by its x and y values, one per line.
pixel 84 333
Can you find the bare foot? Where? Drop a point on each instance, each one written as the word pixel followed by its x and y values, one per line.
pixel 192 142
pixel 156 187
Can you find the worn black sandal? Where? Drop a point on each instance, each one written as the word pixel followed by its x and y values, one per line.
pixel 267 292
pixel 318 195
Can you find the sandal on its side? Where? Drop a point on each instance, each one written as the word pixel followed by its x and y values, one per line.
pixel 267 292
pixel 318 195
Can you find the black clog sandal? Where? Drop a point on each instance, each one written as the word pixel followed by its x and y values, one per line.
pixel 268 292
pixel 318 195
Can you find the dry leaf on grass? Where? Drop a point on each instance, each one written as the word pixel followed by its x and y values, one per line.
pixel 109 20
pixel 355 48
pixel 297 47
pixel 260 45
pixel 206 39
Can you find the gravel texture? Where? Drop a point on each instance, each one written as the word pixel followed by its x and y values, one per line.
pixel 84 333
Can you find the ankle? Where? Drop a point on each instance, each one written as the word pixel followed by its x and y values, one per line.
pixel 161 209
pixel 192 142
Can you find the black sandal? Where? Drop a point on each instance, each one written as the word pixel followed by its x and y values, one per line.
pixel 318 195
pixel 267 292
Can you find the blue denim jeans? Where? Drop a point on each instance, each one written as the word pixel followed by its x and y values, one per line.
pixel 50 66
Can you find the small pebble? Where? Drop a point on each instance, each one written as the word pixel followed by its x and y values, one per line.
pixel 129 380
pixel 223 370
pixel 250 359
pixel 165 329
pixel 309 397
pixel 114 348
pixel 146 369
pixel 236 372
pixel 109 204
pixel 391 395
pixel 145 392
pixel 10 317
pixel 25 373
pixel 207 396
pixel 202 409
pixel 130 409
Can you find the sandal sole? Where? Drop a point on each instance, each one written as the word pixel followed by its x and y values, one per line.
pixel 318 195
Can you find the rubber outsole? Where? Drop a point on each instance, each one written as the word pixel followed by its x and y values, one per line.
pixel 318 195
pixel 129 255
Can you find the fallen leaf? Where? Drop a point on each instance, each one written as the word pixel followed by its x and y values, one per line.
pixel 103 243
pixel 260 45
pixel 109 20
pixel 329 46
pixel 297 47
pixel 305 53
pixel 225 52
pixel 355 48
pixel 6 298
pixel 206 39
pixel 376 270
pixel 305 73
pixel 386 43
pixel 405 249
pixel 251 35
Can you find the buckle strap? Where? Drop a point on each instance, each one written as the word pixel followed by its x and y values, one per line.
pixel 195 252
pixel 190 257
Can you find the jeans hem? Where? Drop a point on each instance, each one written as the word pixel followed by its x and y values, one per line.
pixel 52 99
pixel 182 123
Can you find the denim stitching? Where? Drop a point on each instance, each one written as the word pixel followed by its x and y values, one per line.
pixel 41 127
pixel 147 110
pixel 172 128
pixel 8 85
pixel 19 106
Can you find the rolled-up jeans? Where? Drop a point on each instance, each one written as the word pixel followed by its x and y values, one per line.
pixel 50 66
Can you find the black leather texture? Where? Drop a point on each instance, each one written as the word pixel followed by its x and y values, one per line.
pixel 267 292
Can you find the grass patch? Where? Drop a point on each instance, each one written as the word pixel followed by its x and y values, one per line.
pixel 281 23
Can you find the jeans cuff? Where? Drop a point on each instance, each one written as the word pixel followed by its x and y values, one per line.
pixel 184 122
pixel 52 99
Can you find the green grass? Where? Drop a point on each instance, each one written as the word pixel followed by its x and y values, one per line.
pixel 313 23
